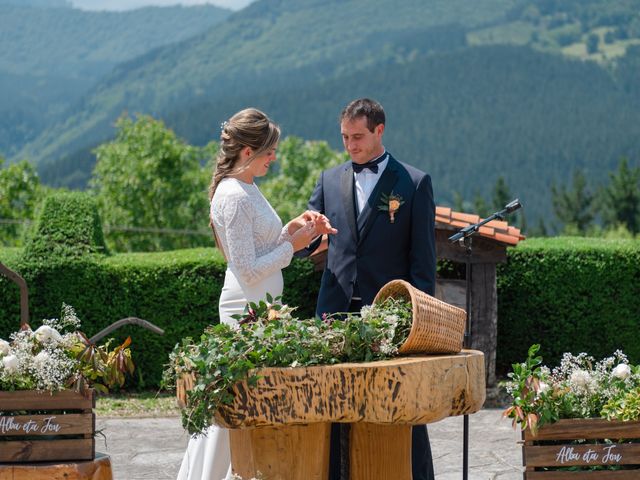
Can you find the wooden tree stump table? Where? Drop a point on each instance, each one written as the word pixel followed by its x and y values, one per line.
pixel 96 469
pixel 281 427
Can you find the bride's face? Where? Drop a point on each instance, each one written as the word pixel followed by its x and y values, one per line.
pixel 259 166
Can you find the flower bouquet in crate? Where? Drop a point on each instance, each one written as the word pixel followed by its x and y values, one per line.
pixel 48 379
pixel 580 419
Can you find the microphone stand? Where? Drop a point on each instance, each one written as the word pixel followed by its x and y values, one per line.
pixel 464 238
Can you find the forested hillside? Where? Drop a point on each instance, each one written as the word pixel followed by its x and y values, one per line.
pixel 527 89
pixel 51 56
pixel 477 114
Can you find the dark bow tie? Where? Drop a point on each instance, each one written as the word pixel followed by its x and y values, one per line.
pixel 371 164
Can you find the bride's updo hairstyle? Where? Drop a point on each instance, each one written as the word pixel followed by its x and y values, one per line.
pixel 247 128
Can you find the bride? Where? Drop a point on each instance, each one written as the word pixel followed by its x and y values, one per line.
pixel 256 246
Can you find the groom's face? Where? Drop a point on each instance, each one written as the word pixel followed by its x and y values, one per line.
pixel 361 143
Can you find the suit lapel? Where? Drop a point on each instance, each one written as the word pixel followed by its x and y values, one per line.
pixel 346 189
pixel 369 212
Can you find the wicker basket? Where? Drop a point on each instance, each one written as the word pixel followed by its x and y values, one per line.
pixel 437 326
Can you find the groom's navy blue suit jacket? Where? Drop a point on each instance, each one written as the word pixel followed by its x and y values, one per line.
pixel 369 250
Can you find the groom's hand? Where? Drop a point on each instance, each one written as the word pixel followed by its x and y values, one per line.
pixel 323 227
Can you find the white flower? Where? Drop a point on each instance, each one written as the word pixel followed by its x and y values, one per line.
pixel 10 363
pixel 365 312
pixel 41 359
pixel 4 347
pixel 621 371
pixel 46 334
pixel 392 320
pixel 580 378
pixel 543 387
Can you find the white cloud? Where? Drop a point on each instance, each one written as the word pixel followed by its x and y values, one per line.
pixel 131 4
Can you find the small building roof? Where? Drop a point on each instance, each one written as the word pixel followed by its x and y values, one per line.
pixel 496 230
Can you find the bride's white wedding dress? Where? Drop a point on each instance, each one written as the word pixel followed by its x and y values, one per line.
pixel 257 248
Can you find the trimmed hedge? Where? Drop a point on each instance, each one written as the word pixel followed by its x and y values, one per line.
pixel 570 295
pixel 68 226
pixel 177 291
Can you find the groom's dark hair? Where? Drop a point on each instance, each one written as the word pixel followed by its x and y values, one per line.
pixel 364 107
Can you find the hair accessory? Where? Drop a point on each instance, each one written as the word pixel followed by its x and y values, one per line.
pixel 223 124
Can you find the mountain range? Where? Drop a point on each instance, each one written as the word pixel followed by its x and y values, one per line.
pixel 52 55
pixel 527 89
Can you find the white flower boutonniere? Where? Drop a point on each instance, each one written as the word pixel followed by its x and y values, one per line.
pixel 391 203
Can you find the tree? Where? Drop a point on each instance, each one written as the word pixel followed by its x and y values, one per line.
pixel 480 206
pixel 289 185
pixel 20 192
pixel 621 198
pixel 592 43
pixel 501 194
pixel 609 37
pixel 151 188
pixel 574 208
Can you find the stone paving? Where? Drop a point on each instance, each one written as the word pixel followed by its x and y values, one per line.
pixel 152 448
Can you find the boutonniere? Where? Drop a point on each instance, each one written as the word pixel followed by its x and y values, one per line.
pixel 391 203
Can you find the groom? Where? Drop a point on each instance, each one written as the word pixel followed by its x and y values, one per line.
pixel 384 213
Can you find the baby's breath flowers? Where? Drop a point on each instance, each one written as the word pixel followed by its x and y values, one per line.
pixel 55 356
pixel 579 387
pixel 268 335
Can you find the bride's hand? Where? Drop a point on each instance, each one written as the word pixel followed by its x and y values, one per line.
pixel 301 220
pixel 303 236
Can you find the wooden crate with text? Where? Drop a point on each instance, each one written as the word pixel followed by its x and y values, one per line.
pixel 570 449
pixel 40 426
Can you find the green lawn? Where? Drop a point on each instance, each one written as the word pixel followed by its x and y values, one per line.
pixel 145 404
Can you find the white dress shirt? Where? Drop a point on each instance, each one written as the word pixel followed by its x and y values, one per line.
pixel 366 181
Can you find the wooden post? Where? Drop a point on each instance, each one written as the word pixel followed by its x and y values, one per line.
pixel 382 452
pixel 484 308
pixel 24 293
pixel 282 453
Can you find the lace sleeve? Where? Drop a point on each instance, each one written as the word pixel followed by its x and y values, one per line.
pixel 284 235
pixel 238 214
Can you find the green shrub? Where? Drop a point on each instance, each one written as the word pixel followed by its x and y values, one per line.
pixel 176 290
pixel 68 226
pixel 570 295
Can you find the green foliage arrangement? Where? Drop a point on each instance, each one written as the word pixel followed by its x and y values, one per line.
pixel 57 356
pixel 579 387
pixel 270 336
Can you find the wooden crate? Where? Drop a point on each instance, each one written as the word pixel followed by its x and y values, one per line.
pixel 40 426
pixel 554 447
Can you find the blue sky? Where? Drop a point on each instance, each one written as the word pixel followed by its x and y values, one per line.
pixel 131 4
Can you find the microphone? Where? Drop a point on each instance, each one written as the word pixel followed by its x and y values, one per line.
pixel 469 230
pixel 512 206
